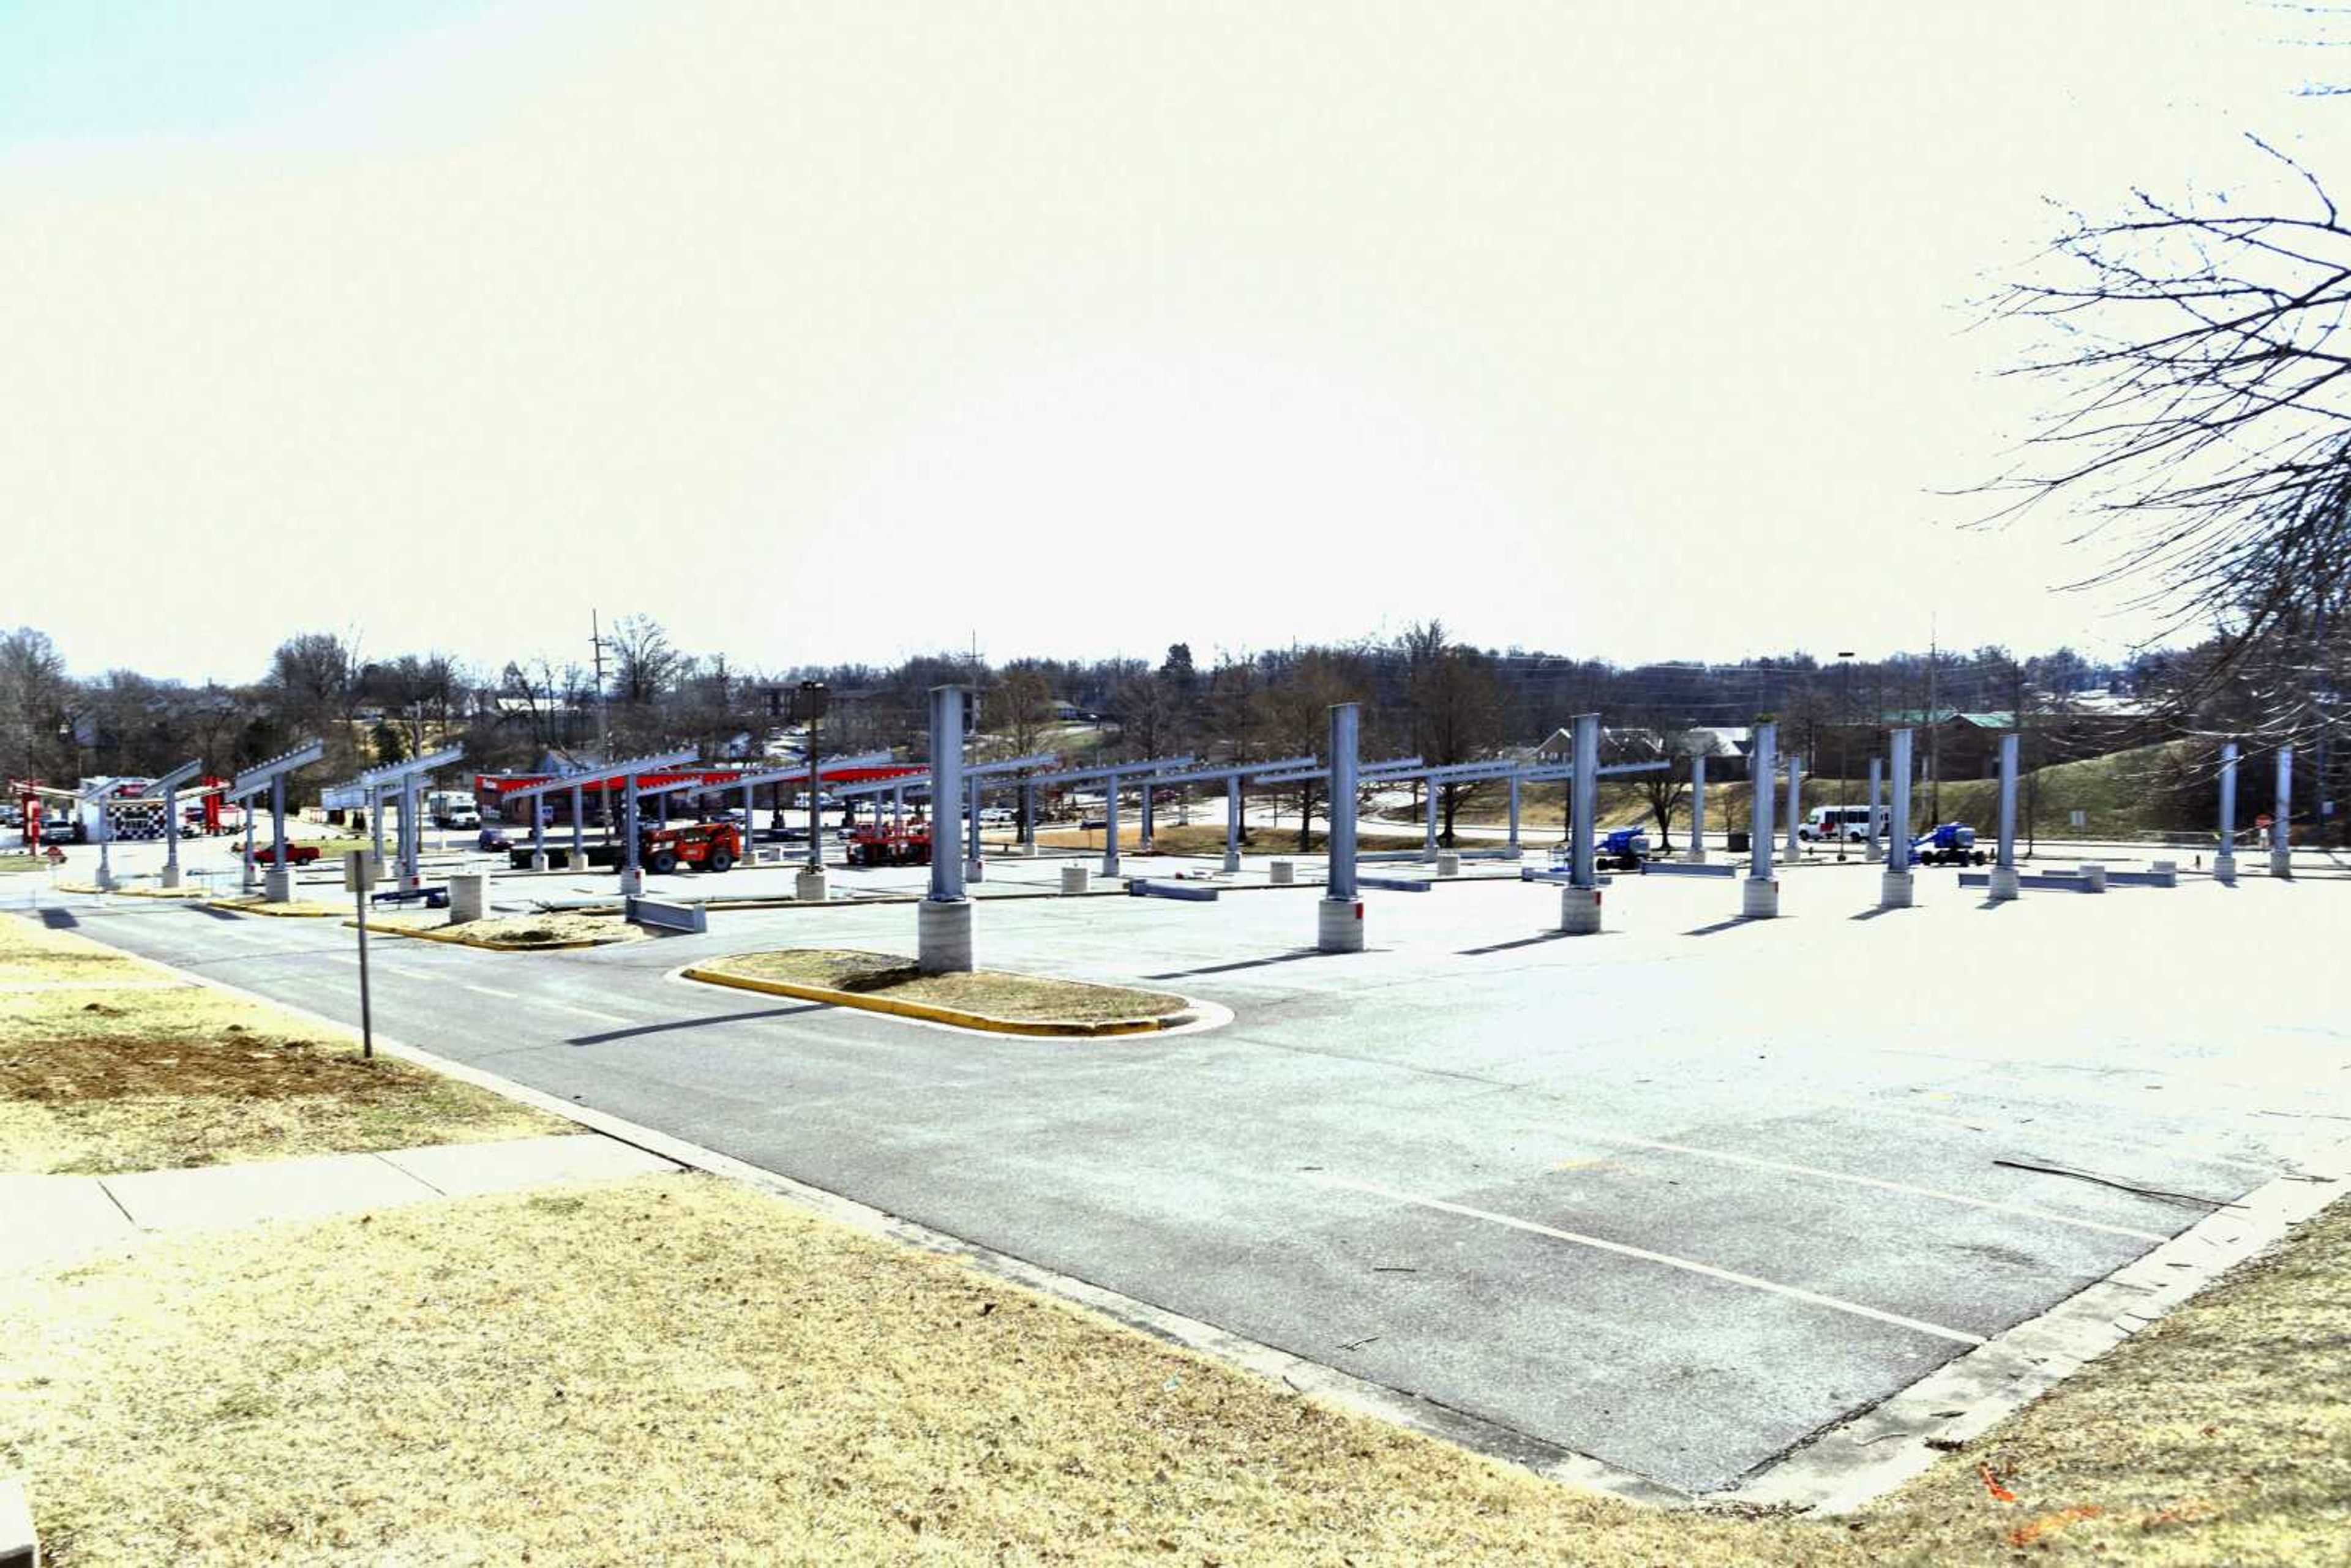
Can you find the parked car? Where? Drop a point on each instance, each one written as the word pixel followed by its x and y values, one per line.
pixel 60 831
pixel 997 817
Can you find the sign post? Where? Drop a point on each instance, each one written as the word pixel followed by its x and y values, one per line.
pixel 358 875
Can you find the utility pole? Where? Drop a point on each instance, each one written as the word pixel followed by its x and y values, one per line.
pixel 1934 728
pixel 604 723
pixel 1844 742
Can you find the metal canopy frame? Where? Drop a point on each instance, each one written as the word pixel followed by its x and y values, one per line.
pixel 369 789
pixel 271 776
pixel 1111 776
pixel 631 878
pixel 168 785
pixel 1230 776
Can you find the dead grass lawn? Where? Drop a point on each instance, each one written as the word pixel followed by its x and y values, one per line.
pixel 1024 999
pixel 556 929
pixel 682 1370
pixel 105 1065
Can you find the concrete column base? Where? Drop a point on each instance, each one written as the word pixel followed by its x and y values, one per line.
pixel 942 937
pixel 1759 899
pixel 1076 878
pixel 632 882
pixel 277 886
pixel 1448 864
pixel 2224 870
pixel 1283 872
pixel 1513 852
pixel 103 881
pixel 975 871
pixel 1338 925
pixel 1579 911
pixel 1897 890
pixel 1232 861
pixel 171 876
pixel 813 886
pixel 2004 884
pixel 2281 863
pixel 1694 856
pixel 538 861
pixel 2166 873
pixel 2094 877
pixel 469 897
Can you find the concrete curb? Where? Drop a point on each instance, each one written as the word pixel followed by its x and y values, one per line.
pixel 931 1014
pixel 275 911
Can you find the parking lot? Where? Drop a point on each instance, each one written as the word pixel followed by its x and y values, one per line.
pixel 1675 1197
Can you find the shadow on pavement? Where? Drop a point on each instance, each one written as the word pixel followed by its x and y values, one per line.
pixel 609 1035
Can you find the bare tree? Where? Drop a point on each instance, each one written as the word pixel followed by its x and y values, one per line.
pixel 1456 707
pixel 2203 417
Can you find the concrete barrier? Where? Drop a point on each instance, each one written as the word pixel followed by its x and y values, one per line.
pixel 2093 875
pixel 1394 884
pixel 660 915
pixel 1077 878
pixel 1283 872
pixel 1687 868
pixel 469 897
pixel 812 885
pixel 1448 864
pixel 1143 887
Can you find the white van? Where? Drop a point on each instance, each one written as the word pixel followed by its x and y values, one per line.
pixel 1848 825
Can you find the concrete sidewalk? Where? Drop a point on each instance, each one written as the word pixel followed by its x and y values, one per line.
pixel 51 1219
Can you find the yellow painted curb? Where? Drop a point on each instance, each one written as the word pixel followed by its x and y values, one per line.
pixel 930 1014
pixel 487 945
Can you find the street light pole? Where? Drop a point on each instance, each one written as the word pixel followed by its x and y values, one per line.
pixel 1845 741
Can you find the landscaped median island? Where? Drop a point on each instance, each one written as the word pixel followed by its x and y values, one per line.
pixel 110 1064
pixel 291 908
pixel 982 998
pixel 509 933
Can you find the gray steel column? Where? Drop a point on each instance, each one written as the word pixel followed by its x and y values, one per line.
pixel 972 826
pixel 579 843
pixel 629 825
pixel 1339 885
pixel 1109 826
pixel 411 834
pixel 897 808
pixel 1514 811
pixel 1584 790
pixel 1762 763
pixel 1698 807
pixel 1028 813
pixel 1876 778
pixel 249 815
pixel 1429 813
pixel 1796 807
pixel 537 832
pixel 375 824
pixel 172 835
pixel 2227 857
pixel 105 843
pixel 1233 814
pixel 946 793
pixel 1148 794
pixel 2280 838
pixel 1897 825
pixel 277 819
pixel 750 841
pixel 2008 801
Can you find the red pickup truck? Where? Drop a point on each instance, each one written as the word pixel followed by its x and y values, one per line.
pixel 296 854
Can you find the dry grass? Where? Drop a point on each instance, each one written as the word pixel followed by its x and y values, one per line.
pixel 683 1371
pixel 292 908
pixel 19 863
pixel 552 929
pixel 1014 999
pixel 108 1065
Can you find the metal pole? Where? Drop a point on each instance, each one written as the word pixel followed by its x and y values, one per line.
pixel 105 843
pixel 750 841
pixel 1697 807
pixel 375 819
pixel 897 808
pixel 278 820
pixel 2224 863
pixel 629 830
pixel 1897 825
pixel 1585 789
pixel 1514 816
pixel 2281 816
pixel 1428 832
pixel 1149 801
pixel 1109 825
pixel 1028 814
pixel 411 834
pixel 1345 723
pixel 367 1014
pixel 2007 800
pixel 170 835
pixel 1796 807
pixel 971 830
pixel 579 843
pixel 1761 763
pixel 1232 815
pixel 816 813
pixel 248 843
pixel 1877 782
pixel 946 793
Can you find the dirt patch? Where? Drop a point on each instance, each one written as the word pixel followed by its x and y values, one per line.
pixel 104 1067
pixel 990 993
pixel 568 928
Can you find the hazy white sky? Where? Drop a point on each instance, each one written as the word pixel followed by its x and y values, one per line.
pixel 846 331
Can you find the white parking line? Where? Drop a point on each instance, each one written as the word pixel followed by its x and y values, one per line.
pixel 1958 1336
pixel 2024 1211
pixel 493 991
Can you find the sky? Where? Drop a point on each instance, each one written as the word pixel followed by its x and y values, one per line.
pixel 843 333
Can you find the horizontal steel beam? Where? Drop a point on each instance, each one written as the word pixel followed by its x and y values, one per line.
pixel 661 762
